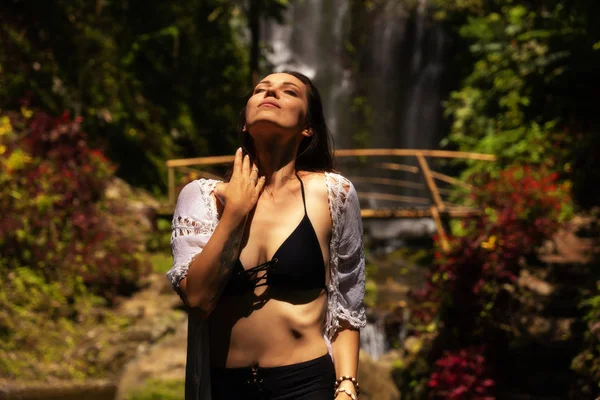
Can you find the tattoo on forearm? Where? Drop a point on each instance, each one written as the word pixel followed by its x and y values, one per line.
pixel 228 259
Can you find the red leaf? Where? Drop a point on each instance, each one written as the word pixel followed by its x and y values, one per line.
pixel 432 383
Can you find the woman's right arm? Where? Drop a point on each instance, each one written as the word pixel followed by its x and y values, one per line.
pixel 210 269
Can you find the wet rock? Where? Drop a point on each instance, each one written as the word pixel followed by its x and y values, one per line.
pixel 131 209
pixel 165 360
pixel 533 283
pixel 376 380
pixel 544 329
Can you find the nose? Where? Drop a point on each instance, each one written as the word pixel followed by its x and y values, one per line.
pixel 271 92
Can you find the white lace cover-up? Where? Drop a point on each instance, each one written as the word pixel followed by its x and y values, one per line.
pixel 195 219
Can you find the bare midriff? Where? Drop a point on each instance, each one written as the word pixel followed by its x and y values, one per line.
pixel 257 328
pixel 270 325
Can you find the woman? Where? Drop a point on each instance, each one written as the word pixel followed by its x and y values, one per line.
pixel 271 263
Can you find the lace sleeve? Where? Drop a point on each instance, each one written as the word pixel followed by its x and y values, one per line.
pixel 351 264
pixel 193 224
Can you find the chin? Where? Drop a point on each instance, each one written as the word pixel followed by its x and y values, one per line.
pixel 265 125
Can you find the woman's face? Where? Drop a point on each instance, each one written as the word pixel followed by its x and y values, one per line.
pixel 279 103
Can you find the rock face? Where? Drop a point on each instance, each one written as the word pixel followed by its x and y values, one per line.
pixel 159 335
pixel 153 327
pixel 165 360
pixel 546 324
pixel 131 209
pixel 376 380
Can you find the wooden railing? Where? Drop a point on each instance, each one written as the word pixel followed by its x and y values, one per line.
pixel 433 205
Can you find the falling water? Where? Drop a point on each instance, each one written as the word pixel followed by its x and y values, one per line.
pixel 311 42
pixel 372 339
pixel 404 64
pixel 423 109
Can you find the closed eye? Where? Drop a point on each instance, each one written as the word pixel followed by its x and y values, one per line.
pixel 291 92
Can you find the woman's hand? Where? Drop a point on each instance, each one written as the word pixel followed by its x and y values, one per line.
pixel 243 189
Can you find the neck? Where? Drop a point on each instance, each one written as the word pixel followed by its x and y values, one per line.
pixel 277 162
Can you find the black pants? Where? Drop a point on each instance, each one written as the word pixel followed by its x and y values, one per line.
pixel 309 380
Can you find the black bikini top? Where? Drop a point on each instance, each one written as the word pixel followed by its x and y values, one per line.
pixel 297 264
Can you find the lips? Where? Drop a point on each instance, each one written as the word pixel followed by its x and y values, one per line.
pixel 269 103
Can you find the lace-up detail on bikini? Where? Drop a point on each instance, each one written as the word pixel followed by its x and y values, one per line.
pixel 301 265
pixel 242 280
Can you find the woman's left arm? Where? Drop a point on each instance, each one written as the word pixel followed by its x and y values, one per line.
pixel 345 348
pixel 349 310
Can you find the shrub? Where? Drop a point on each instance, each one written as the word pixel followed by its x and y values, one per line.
pixel 464 299
pixel 57 242
pixel 460 375
pixel 53 220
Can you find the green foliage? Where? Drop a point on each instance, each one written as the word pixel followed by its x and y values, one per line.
pixel 161 262
pixel 160 239
pixel 492 111
pixel 520 64
pixel 155 389
pixel 41 324
pixel 62 255
pixel 371 285
pixel 370 293
pixel 152 82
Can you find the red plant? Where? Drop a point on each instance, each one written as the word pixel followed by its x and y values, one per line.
pixel 522 210
pixel 52 219
pixel 461 297
pixel 461 375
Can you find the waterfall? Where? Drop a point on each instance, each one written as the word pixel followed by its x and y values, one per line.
pixel 311 42
pixel 403 61
pixel 372 339
pixel 423 110
pixel 374 336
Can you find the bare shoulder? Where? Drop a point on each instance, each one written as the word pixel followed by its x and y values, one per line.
pixel 315 182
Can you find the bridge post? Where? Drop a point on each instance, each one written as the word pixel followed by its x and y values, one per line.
pixel 171 183
pixel 438 204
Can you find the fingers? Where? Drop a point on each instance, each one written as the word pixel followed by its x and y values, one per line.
pixel 246 165
pixel 254 171
pixel 237 162
pixel 260 184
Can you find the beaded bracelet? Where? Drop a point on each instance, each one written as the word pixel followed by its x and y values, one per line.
pixel 344 390
pixel 352 379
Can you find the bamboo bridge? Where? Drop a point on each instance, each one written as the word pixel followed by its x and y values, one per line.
pixel 407 189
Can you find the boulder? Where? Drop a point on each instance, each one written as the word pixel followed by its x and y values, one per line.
pixel 375 379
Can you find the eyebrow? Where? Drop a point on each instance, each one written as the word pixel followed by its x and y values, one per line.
pixel 284 83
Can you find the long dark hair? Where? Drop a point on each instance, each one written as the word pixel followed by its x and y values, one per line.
pixel 315 152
